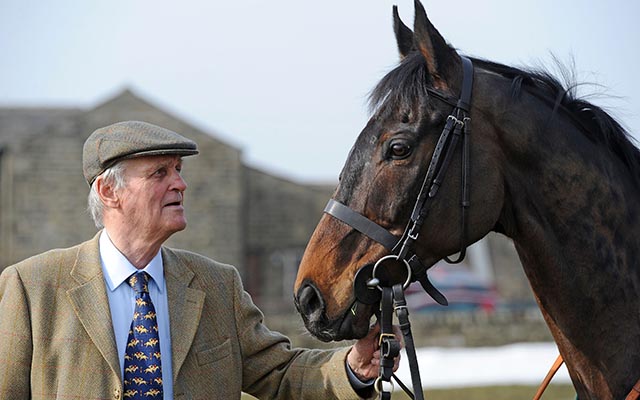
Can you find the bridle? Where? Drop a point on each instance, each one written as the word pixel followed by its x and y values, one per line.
pixel 367 279
pixel 457 127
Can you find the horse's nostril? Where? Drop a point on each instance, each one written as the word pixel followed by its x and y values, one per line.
pixel 309 300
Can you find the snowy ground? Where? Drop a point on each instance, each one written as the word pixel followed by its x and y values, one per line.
pixel 521 363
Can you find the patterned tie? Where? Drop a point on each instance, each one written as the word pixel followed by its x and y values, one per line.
pixel 142 364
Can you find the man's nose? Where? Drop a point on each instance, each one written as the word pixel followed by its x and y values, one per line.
pixel 178 182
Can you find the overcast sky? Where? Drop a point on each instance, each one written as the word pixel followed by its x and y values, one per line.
pixel 286 81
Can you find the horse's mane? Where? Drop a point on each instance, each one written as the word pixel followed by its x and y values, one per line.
pixel 408 83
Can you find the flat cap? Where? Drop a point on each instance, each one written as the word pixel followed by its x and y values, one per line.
pixel 130 139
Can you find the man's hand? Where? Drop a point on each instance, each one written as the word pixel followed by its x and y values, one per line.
pixel 364 357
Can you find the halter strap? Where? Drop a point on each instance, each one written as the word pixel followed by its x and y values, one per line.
pixel 464 103
pixel 361 223
pixel 438 165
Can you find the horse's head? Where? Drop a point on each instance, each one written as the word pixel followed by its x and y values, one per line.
pixel 384 174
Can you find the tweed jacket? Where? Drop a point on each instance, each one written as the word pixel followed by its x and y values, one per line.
pixel 57 341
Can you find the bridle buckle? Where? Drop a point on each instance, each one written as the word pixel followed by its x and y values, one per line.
pixel 383 336
pixel 457 121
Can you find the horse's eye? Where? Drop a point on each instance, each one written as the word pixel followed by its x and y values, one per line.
pixel 399 150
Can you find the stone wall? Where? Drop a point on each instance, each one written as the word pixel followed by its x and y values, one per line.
pixel 280 217
pixel 443 329
pixel 45 201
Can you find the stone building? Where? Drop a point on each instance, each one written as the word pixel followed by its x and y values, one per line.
pixel 237 214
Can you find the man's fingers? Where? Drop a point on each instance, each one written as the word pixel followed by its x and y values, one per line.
pixel 398 333
pixel 373 330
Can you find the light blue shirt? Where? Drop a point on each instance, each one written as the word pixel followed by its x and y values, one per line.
pixel 116 269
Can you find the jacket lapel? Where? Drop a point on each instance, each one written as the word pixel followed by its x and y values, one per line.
pixel 90 302
pixel 185 307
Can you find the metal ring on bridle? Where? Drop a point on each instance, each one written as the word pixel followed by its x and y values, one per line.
pixel 377 385
pixel 393 256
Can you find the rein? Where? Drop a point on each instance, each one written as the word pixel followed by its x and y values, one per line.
pixel 633 394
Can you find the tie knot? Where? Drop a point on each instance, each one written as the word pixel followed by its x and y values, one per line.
pixel 138 282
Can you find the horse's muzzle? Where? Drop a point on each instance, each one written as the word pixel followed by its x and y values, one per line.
pixel 353 324
pixel 309 302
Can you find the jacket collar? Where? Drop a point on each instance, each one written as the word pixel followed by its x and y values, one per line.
pixel 91 304
pixel 185 306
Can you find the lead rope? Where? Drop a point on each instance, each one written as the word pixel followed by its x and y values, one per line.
pixel 393 301
pixel 634 393
pixel 547 379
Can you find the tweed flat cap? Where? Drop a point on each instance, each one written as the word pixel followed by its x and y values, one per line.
pixel 130 139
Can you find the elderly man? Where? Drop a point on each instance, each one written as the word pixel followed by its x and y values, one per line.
pixel 121 316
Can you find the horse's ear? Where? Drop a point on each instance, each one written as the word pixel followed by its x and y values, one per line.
pixel 404 35
pixel 432 45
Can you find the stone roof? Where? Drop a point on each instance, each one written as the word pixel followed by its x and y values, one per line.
pixel 19 124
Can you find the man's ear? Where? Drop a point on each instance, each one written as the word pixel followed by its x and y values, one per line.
pixel 107 193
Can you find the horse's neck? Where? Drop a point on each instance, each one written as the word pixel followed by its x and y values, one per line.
pixel 573 217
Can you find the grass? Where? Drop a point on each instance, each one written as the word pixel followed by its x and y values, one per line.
pixel 554 392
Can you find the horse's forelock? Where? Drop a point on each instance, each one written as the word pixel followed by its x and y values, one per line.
pixel 403 87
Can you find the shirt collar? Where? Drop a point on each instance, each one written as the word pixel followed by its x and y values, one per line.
pixel 116 268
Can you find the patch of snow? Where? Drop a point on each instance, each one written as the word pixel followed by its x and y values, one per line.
pixel 515 364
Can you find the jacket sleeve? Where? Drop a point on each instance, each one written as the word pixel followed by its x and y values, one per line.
pixel 15 337
pixel 272 369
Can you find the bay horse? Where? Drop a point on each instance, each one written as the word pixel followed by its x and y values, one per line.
pixel 554 173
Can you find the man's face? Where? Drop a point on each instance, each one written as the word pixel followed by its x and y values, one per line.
pixel 152 200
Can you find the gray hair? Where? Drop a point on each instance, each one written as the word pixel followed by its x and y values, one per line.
pixel 113 175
